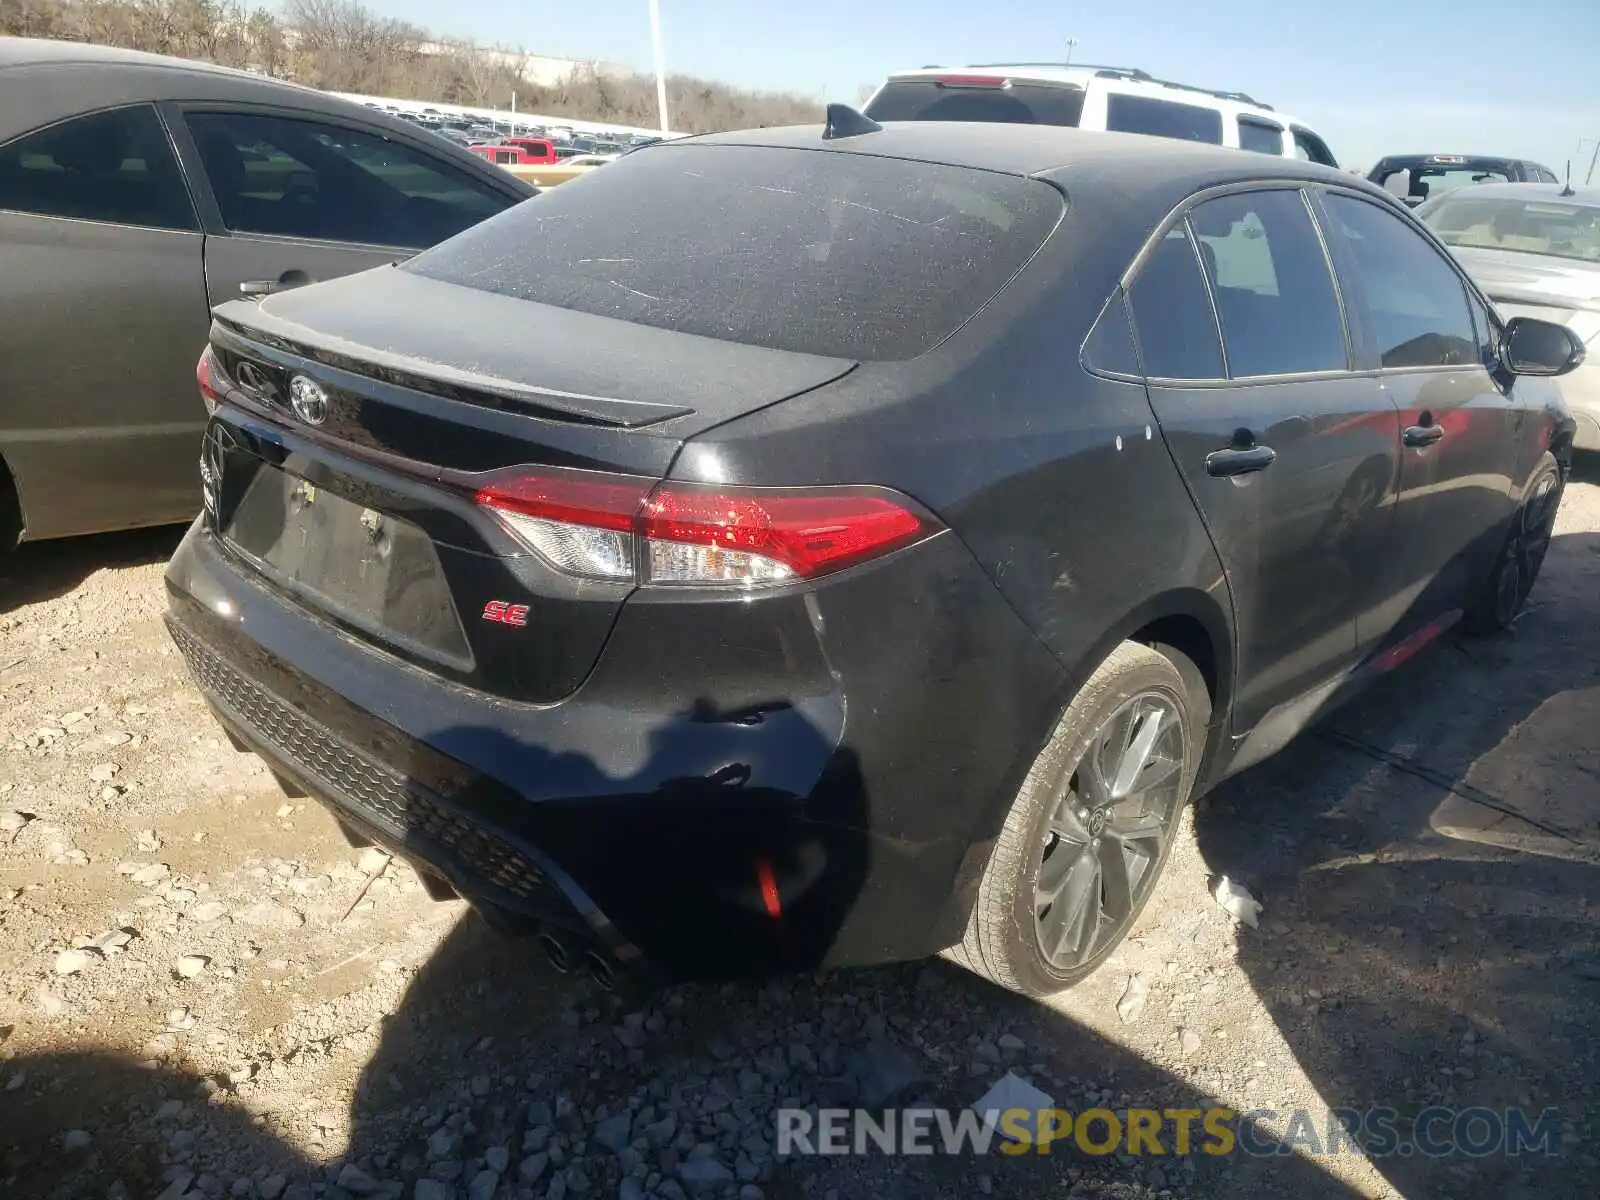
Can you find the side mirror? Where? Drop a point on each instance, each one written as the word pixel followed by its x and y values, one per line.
pixel 1535 347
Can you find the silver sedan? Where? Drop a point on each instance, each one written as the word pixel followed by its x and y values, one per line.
pixel 1535 249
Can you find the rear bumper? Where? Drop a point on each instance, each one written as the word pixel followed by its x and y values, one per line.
pixel 703 828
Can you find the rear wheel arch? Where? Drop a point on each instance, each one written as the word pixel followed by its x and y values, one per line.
pixel 1189 621
pixel 11 522
pixel 1193 623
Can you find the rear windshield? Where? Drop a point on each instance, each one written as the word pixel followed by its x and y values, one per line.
pixel 830 253
pixel 1418 179
pixel 1010 103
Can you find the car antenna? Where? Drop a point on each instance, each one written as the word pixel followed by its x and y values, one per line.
pixel 1567 189
pixel 844 121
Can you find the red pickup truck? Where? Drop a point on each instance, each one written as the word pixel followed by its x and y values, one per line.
pixel 539 152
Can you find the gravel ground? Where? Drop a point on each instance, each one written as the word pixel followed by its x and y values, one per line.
pixel 198 999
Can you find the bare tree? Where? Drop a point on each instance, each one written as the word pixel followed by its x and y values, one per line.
pixel 341 45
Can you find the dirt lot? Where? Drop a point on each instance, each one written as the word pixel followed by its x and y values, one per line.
pixel 189 1004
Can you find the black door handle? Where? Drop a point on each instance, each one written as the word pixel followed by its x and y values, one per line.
pixel 1422 435
pixel 1224 464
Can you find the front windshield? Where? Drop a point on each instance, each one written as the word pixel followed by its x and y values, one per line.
pixel 1557 227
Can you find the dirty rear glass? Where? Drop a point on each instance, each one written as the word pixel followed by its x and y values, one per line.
pixel 819 252
pixel 1012 103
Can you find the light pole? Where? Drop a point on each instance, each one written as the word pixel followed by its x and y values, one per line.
pixel 1589 178
pixel 661 70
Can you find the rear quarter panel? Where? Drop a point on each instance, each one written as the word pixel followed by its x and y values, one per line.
pixel 1057 482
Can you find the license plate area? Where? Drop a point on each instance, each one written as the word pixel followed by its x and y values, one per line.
pixel 366 568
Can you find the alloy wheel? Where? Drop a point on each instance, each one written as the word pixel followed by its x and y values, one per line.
pixel 1106 834
pixel 1530 542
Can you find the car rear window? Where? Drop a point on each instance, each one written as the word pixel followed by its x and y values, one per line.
pixel 1163 118
pixel 830 253
pixel 1008 102
pixel 1418 179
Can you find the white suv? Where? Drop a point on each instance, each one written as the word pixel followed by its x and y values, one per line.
pixel 1091 97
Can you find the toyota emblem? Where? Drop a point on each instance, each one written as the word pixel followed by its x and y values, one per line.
pixel 309 401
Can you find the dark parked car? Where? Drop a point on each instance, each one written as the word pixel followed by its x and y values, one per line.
pixel 1415 177
pixel 866 572
pixel 135 193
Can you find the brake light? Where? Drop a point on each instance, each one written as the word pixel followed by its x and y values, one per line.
pixel 971 81
pixel 205 376
pixel 627 528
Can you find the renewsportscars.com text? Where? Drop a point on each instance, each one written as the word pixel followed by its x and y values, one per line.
pixel 1375 1132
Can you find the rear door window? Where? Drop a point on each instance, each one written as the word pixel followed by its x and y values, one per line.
pixel 304 178
pixel 832 253
pixel 1260 137
pixel 1172 313
pixel 116 166
pixel 1163 118
pixel 1271 283
pixel 978 98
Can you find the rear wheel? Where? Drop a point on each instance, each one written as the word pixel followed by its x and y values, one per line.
pixel 1092 826
pixel 1516 568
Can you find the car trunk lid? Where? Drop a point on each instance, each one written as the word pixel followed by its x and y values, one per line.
pixel 363 506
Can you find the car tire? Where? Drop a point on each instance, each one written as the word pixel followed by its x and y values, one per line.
pixel 1500 599
pixel 1107 792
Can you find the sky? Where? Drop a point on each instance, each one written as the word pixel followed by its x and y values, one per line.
pixel 1518 79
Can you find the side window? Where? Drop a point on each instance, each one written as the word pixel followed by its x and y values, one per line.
pixel 1172 313
pixel 1416 304
pixel 114 166
pixel 1544 176
pixel 302 178
pixel 1270 279
pixel 1110 343
pixel 1163 118
pixel 1260 137
pixel 1310 148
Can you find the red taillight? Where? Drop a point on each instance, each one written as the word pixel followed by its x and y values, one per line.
pixel 205 372
pixel 809 533
pixel 570 496
pixel 627 528
pixel 971 81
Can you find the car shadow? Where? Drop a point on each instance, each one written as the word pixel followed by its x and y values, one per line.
pixel 1414 953
pixel 1429 862
pixel 39 571
pixel 497 1076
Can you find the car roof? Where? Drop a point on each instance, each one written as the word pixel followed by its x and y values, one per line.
pixel 1587 196
pixel 1463 160
pixel 1130 79
pixel 1120 160
pixel 23 52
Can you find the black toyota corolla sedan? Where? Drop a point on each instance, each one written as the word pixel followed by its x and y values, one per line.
pixel 828 546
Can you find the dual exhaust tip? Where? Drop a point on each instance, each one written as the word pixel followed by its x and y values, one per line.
pixel 565 961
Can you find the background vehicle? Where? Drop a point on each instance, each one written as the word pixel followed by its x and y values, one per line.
pixel 738 637
pixel 133 201
pixel 500 155
pixel 536 150
pixel 1123 99
pixel 1415 177
pixel 1535 249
